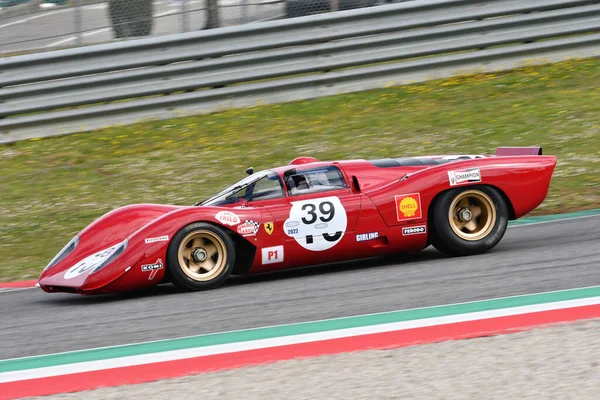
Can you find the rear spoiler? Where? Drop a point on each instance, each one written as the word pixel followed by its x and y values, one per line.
pixel 519 151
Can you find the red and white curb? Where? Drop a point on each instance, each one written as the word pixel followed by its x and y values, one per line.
pixel 20 285
pixel 77 376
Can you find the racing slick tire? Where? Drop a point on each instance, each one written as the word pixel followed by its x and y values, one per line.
pixel 468 221
pixel 200 257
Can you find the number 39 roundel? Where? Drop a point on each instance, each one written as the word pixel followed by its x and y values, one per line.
pixel 317 224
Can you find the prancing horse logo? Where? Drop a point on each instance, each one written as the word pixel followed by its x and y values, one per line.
pixel 269 227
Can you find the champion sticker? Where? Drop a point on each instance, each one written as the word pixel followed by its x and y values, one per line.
pixel 317 224
pixel 248 228
pixel 157 239
pixel 363 237
pixel 408 206
pixel 152 268
pixel 414 230
pixel 464 176
pixel 227 218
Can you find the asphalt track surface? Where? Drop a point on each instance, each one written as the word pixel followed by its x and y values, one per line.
pixel 53 28
pixel 530 259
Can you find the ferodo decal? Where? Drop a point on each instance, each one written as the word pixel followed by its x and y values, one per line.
pixel 408 206
pixel 464 176
pixel 90 262
pixel 248 228
pixel 152 268
pixel 227 218
pixel 272 255
pixel 414 230
pixel 317 224
pixel 269 227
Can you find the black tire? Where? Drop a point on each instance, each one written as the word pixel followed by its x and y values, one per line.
pixel 446 233
pixel 192 247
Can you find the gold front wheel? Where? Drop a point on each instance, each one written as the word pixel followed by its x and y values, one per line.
pixel 202 255
pixel 472 215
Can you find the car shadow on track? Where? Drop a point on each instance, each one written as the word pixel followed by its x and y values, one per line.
pixel 167 289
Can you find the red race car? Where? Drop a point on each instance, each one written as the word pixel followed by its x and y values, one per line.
pixel 306 213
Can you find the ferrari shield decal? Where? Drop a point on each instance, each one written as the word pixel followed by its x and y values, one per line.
pixel 269 227
pixel 317 224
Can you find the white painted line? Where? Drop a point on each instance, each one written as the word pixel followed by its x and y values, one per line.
pixel 97 31
pixel 284 341
pixel 46 14
pixel 555 220
pixel 8 290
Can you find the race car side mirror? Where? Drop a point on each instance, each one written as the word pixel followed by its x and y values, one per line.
pixel 250 171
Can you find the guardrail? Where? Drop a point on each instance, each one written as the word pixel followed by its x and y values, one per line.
pixel 86 88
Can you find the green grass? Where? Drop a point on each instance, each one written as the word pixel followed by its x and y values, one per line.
pixel 52 188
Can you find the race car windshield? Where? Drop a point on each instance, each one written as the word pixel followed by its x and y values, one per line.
pixel 261 185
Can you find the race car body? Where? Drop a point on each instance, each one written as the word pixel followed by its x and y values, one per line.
pixel 306 213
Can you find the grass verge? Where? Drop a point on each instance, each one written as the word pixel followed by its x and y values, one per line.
pixel 52 188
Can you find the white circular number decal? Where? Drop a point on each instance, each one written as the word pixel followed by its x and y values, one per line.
pixel 317 224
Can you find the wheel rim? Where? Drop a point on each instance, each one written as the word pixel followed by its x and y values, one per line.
pixel 472 215
pixel 202 255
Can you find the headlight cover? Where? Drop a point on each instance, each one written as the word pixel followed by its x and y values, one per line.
pixel 96 261
pixel 68 249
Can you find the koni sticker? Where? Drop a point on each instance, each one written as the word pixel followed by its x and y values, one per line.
pixel 227 218
pixel 414 230
pixel 248 228
pixel 408 206
pixel 152 268
pixel 157 239
pixel 317 224
pixel 464 176
pixel 272 255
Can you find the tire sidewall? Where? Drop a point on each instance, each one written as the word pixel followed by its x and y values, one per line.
pixel 456 245
pixel 176 274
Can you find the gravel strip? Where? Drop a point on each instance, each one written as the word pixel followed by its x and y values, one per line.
pixel 560 362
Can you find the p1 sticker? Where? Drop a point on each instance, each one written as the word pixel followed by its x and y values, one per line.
pixel 152 268
pixel 227 218
pixel 408 206
pixel 272 255
pixel 317 224
pixel 464 176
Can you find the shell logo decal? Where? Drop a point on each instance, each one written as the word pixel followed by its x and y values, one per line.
pixel 408 206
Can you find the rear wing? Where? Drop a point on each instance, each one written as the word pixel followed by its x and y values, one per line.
pixel 519 151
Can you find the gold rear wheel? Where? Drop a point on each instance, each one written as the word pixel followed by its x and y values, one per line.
pixel 467 221
pixel 472 215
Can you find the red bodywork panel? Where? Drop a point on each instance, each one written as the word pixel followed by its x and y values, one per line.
pixel 384 210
